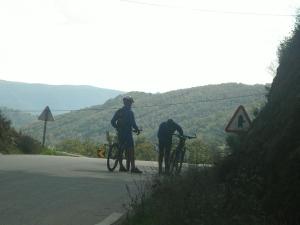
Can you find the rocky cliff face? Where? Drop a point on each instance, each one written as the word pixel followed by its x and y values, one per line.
pixel 268 156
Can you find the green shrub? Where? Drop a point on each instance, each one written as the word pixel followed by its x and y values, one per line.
pixel 28 145
pixel 199 152
pixel 145 150
pixel 196 197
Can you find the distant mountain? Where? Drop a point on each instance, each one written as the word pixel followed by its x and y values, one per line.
pixel 35 97
pixel 203 110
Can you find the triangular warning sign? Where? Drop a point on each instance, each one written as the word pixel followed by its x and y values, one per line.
pixel 239 122
pixel 46 115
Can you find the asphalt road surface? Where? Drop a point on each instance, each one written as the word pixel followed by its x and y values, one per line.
pixel 58 190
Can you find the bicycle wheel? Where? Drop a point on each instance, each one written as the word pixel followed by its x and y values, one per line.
pixel 180 161
pixel 112 157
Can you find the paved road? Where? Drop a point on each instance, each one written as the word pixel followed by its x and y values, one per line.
pixel 56 190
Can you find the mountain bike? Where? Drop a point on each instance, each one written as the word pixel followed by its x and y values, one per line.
pixel 115 153
pixel 177 155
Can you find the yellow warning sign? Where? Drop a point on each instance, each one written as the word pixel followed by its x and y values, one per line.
pixel 101 152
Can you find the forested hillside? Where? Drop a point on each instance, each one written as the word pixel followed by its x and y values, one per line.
pixel 35 97
pixel 18 118
pixel 12 141
pixel 202 110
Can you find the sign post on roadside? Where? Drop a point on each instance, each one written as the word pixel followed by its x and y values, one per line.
pixel 240 121
pixel 46 116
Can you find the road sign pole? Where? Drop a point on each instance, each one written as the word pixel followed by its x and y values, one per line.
pixel 44 134
pixel 45 116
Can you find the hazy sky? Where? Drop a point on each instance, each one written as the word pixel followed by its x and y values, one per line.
pixel 144 45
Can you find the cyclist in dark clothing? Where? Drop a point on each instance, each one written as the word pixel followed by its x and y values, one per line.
pixel 165 132
pixel 123 121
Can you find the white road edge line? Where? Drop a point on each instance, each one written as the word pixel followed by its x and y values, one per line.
pixel 111 219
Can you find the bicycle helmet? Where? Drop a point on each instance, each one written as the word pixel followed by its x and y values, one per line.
pixel 128 100
pixel 170 121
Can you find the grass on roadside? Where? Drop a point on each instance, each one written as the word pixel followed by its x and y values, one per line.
pixel 195 198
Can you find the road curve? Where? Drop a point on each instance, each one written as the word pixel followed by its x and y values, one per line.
pixel 59 190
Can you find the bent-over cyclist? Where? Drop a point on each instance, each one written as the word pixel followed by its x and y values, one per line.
pixel 165 132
